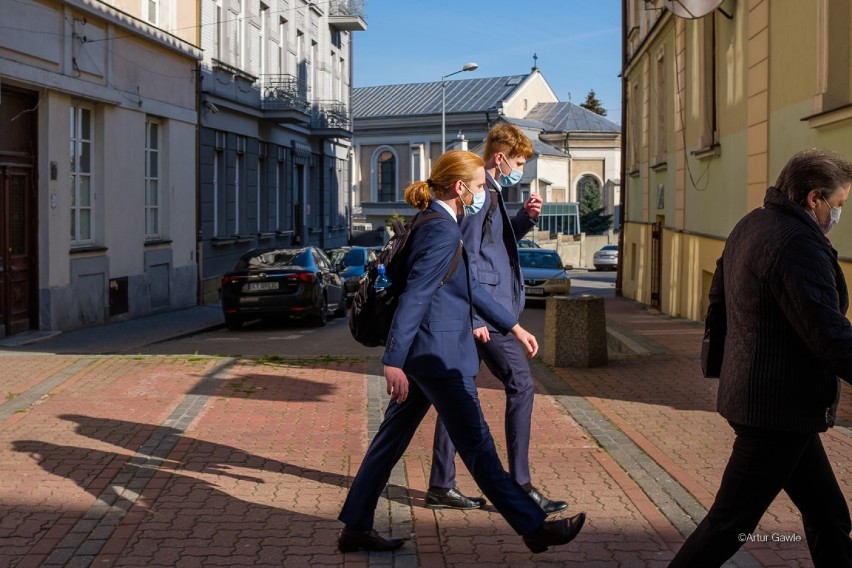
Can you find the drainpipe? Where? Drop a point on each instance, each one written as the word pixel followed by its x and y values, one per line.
pixel 199 242
pixel 622 208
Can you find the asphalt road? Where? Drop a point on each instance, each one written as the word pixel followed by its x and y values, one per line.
pixel 296 339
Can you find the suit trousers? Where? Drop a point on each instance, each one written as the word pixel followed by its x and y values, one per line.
pixel 457 403
pixel 762 463
pixel 504 357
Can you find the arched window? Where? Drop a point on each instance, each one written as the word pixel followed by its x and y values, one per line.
pixel 588 183
pixel 386 176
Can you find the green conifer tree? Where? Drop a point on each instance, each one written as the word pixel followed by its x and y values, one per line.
pixel 593 104
pixel 592 219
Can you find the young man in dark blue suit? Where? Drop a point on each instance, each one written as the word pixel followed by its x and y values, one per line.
pixel 491 239
pixel 430 360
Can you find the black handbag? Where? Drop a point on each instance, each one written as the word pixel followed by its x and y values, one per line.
pixel 713 344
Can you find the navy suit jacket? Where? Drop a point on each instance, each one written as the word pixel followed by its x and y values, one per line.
pixel 494 251
pixel 432 330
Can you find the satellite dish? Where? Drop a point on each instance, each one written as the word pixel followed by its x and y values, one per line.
pixel 691 9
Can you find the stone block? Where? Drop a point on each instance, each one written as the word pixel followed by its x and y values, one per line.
pixel 575 332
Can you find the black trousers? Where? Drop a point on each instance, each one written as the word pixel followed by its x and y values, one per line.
pixel 762 464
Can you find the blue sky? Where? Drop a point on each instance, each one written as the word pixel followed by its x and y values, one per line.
pixel 578 43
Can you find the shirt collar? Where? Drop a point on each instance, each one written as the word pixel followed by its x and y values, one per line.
pixel 448 208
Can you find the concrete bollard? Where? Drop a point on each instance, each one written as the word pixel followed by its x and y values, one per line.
pixel 575 332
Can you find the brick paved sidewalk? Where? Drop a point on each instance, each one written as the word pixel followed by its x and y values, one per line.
pixel 201 461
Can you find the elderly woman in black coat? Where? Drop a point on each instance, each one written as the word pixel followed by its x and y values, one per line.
pixel 787 344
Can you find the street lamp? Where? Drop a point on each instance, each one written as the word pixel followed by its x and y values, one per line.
pixel 468 67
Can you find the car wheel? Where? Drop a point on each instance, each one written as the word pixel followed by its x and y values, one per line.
pixel 233 322
pixel 321 318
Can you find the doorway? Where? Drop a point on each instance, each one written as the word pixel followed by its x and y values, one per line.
pixel 18 305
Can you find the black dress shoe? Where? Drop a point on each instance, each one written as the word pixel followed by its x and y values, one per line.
pixel 350 541
pixel 552 533
pixel 547 505
pixel 437 498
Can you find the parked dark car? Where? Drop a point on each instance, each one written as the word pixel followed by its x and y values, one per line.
pixel 298 282
pixel 606 258
pixel 543 272
pixel 351 263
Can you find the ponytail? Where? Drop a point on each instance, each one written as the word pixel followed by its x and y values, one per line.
pixel 418 195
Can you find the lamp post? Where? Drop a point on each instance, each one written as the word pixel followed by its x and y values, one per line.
pixel 468 67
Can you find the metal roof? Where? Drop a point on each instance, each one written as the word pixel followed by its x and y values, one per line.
pixel 568 117
pixel 463 95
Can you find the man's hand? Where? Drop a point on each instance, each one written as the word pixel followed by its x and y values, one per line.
pixel 481 334
pixel 526 339
pixel 397 383
pixel 533 206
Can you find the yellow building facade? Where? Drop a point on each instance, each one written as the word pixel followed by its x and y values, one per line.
pixel 714 106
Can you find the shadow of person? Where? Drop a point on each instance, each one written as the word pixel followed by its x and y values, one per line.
pixel 183 517
pixel 204 457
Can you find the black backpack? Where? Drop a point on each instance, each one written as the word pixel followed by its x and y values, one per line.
pixel 371 312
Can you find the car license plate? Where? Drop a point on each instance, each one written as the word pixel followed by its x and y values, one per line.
pixel 535 291
pixel 261 286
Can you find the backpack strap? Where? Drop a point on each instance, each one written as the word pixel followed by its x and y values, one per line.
pixel 454 264
pixel 424 216
pixel 490 215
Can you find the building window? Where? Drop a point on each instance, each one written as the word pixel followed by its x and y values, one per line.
pixel 152 179
pixel 416 163
pixel 237 194
pixel 220 31
pixel 240 35
pixel 82 193
pixel 660 100
pixel 833 55
pixel 264 23
pixel 588 183
pixel 707 82
pixel 279 192
pixel 151 9
pixel 263 221
pixel 335 38
pixel 217 189
pixel 386 176
pixel 634 121
pixel 283 48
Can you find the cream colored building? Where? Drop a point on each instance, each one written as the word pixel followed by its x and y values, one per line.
pixel 97 161
pixel 714 106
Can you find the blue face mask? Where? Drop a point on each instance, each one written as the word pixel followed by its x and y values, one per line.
pixel 475 206
pixel 513 177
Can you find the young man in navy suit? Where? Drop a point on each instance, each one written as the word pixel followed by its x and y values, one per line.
pixel 491 239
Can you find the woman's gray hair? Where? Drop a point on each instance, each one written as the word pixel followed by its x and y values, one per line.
pixel 811 169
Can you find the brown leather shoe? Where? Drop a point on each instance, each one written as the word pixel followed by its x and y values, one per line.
pixel 552 533
pixel 451 499
pixel 350 541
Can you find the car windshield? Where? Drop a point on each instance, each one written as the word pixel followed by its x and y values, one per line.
pixel 539 260
pixel 279 258
pixel 355 257
pixel 610 248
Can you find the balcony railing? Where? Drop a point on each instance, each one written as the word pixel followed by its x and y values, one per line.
pixel 346 8
pixel 284 92
pixel 331 115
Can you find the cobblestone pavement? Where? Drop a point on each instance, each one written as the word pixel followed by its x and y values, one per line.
pixel 184 460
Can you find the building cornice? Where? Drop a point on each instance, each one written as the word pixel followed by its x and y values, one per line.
pixel 129 23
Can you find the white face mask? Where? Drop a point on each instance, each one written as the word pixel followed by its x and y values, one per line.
pixel 834 218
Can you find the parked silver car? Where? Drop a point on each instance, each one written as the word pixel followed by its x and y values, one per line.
pixel 606 258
